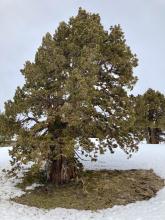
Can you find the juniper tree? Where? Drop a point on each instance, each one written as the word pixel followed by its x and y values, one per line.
pixel 75 90
pixel 150 111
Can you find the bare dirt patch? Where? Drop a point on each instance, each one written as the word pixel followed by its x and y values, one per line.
pixel 98 190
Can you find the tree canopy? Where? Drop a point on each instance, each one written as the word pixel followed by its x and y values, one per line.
pixel 150 114
pixel 75 90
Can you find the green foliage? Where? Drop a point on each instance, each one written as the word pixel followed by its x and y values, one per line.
pixel 150 114
pixel 76 89
pixel 31 177
pixel 7 129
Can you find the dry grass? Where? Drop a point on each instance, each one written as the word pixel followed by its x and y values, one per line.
pixel 99 190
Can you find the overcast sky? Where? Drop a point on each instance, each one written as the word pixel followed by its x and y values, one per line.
pixel 24 22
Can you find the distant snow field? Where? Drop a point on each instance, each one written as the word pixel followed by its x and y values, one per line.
pixel 149 156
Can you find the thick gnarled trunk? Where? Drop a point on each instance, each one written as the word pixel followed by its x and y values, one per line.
pixel 61 171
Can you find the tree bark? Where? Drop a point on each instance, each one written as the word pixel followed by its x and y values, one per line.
pixel 61 171
pixel 153 136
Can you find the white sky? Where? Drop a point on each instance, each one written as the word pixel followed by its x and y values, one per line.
pixel 24 22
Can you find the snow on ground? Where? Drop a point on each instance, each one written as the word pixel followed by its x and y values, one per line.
pixel 149 156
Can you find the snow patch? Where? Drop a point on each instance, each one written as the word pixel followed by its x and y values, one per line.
pixel 33 186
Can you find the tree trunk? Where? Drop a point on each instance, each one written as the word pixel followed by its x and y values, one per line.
pixel 61 171
pixel 153 136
